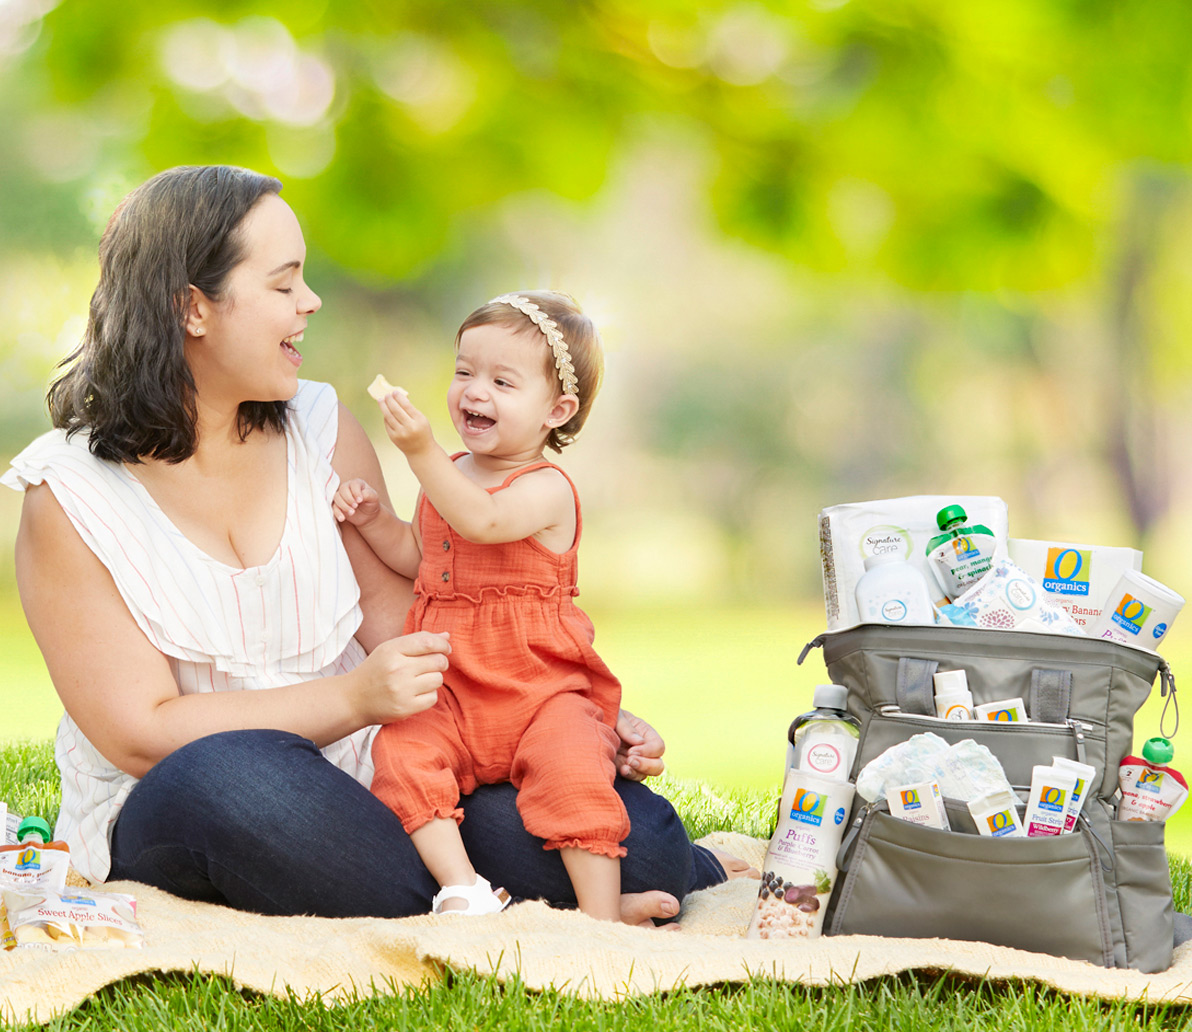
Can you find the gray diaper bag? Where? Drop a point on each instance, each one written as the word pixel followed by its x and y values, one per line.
pixel 1100 893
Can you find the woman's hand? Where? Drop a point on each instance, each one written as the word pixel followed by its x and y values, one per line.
pixel 640 755
pixel 400 677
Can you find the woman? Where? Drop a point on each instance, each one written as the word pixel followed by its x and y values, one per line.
pixel 223 656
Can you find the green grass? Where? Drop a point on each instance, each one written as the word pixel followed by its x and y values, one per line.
pixel 200 1002
pixel 903 1004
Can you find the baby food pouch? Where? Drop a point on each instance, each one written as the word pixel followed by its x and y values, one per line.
pixel 1151 791
pixel 962 554
pixel 31 865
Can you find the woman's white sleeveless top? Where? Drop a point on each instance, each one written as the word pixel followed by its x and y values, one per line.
pixel 222 628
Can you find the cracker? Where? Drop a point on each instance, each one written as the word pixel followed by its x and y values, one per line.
pixel 381 388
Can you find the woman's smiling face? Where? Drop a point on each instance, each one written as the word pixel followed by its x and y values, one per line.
pixel 246 341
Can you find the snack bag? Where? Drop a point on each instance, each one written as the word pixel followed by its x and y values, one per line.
pixel 78 919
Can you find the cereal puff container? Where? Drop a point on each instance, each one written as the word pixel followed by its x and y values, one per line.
pixel 800 866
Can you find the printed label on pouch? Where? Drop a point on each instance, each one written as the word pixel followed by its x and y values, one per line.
pixel 29 859
pixel 1150 781
pixel 963 547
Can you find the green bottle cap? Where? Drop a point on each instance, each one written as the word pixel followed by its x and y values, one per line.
pixel 950 514
pixel 33 824
pixel 1158 751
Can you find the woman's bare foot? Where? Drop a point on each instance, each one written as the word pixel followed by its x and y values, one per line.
pixel 734 866
pixel 640 908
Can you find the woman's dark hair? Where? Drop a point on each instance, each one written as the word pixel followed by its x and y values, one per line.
pixel 128 382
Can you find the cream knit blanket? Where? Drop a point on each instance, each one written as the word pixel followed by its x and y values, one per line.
pixel 341 959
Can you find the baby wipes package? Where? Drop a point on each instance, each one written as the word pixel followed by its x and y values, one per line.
pixel 852 532
pixel 1008 599
pixel 1078 577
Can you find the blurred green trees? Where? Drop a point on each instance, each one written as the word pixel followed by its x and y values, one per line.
pixel 854 248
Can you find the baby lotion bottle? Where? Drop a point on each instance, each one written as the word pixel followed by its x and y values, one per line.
pixel 824 740
pixel 961 555
pixel 893 591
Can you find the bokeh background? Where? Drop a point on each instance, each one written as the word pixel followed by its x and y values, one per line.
pixel 839 251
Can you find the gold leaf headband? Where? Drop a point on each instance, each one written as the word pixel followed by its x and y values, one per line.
pixel 554 337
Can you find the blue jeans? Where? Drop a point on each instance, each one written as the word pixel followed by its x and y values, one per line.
pixel 260 821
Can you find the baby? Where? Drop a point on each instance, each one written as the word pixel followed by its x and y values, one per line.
pixel 493 548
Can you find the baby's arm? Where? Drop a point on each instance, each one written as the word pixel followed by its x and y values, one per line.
pixel 393 540
pixel 534 503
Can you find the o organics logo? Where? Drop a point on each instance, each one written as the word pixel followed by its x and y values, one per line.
pixel 1002 714
pixel 1052 798
pixel 28 858
pixel 1150 780
pixel 1067 571
pixel 1131 614
pixel 963 547
pixel 910 798
pixel 1000 823
pixel 807 806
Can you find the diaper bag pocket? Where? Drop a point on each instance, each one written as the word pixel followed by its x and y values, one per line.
pixel 1045 894
pixel 1144 892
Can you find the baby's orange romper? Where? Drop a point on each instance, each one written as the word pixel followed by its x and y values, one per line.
pixel 526 698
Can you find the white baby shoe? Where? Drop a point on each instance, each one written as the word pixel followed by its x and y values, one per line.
pixel 481 898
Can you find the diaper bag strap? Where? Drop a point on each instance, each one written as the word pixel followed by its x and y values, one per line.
pixel 1051 695
pixel 914 689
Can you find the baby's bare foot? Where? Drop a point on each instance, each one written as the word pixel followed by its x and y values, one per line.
pixel 640 908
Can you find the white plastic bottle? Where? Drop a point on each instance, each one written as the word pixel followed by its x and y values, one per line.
pixel 953 700
pixel 893 591
pixel 824 740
